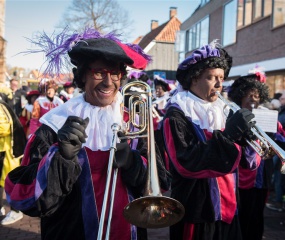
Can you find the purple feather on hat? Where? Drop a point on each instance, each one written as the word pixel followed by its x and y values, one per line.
pixel 135 74
pixel 56 47
pixel 139 50
pixel 204 52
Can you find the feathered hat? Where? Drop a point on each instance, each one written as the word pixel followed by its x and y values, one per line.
pixel 45 84
pixel 68 84
pixel 254 80
pixel 259 73
pixel 88 45
pixel 162 82
pixel 208 56
pixel 33 93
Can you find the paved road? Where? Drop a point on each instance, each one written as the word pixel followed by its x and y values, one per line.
pixel 29 228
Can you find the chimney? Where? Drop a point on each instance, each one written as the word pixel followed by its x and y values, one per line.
pixel 154 24
pixel 172 12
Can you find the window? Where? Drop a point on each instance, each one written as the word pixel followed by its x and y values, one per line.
pixel 240 13
pixel 248 12
pixel 229 23
pixel 251 10
pixel 278 12
pixel 267 7
pixel 257 9
pixel 203 2
pixel 180 41
pixel 198 35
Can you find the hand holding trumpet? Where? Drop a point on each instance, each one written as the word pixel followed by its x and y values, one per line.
pixel 239 124
pixel 266 143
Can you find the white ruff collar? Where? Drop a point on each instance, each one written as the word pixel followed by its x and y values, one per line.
pixel 208 115
pixel 99 130
pixel 66 95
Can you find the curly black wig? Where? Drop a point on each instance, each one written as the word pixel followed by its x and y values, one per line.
pixel 80 71
pixel 243 85
pixel 185 77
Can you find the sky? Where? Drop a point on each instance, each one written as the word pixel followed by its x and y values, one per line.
pixel 23 19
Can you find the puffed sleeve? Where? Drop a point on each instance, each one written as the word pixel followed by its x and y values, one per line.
pixel 193 157
pixel 44 179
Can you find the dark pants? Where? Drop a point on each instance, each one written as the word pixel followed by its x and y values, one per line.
pixel 209 231
pixel 252 203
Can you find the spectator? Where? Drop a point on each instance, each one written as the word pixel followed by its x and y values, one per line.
pixel 26 114
pixel 18 94
pixel 44 103
pixel 12 143
pixel 67 92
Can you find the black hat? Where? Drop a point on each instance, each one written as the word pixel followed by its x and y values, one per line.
pixel 89 44
pixel 68 85
pixel 159 81
pixel 208 56
pixel 100 47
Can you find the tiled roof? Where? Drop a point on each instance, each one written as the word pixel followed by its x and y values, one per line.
pixel 137 40
pixel 163 33
pixel 61 79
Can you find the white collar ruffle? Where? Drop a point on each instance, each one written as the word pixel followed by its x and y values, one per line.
pixel 65 94
pixel 208 115
pixel 99 130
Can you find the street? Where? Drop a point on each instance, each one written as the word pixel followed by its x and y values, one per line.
pixel 29 228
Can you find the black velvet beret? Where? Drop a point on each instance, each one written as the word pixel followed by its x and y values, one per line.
pixel 91 49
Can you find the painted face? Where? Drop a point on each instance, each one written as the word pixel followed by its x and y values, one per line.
pixel 14 85
pixel 70 90
pixel 251 99
pixel 208 83
pixel 50 92
pixel 159 91
pixel 33 99
pixel 282 100
pixel 101 92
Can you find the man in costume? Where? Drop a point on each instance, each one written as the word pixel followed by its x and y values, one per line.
pixel 67 92
pixel 65 165
pixel 26 114
pixel 162 90
pixel 201 145
pixel 12 144
pixel 44 103
pixel 250 92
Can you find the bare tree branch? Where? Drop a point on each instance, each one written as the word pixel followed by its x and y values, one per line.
pixel 104 15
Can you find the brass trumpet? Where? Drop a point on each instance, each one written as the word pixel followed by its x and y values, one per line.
pixel 266 142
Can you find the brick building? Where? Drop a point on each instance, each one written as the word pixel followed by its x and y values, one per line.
pixel 253 32
pixel 2 42
pixel 160 44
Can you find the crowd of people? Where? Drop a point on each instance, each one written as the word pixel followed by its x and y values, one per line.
pixel 21 109
pixel 203 154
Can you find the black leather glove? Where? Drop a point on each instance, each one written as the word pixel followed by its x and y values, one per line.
pixel 249 135
pixel 123 155
pixel 71 136
pixel 238 124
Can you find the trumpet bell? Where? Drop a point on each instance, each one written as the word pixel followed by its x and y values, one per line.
pixel 154 212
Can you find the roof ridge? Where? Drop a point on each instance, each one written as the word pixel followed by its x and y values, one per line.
pixel 159 35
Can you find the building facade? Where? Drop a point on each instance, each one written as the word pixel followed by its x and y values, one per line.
pixel 160 44
pixel 253 33
pixel 2 42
